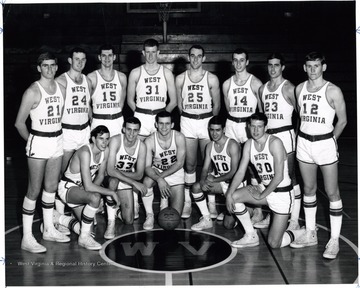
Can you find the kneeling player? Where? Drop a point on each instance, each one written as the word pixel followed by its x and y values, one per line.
pixel 268 155
pixel 80 185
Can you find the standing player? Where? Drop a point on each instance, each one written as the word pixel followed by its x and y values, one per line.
pixel 198 95
pixel 278 102
pixel 43 101
pixel 80 186
pixel 241 97
pixel 77 111
pixel 269 156
pixel 319 102
pixel 109 92
pixel 126 165
pixel 148 87
pixel 224 153
pixel 165 159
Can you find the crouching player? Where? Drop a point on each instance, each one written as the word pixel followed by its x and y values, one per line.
pixel 268 155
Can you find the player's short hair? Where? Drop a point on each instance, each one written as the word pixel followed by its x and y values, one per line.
pixel 98 130
pixel 217 120
pixel 277 55
pixel 196 46
pixel 76 50
pixel 151 43
pixel 315 56
pixel 132 120
pixel 163 114
pixel 106 47
pixel 257 116
pixel 241 51
pixel 46 56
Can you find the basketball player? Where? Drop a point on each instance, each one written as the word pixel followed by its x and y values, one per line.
pixel 224 154
pixel 198 95
pixel 278 102
pixel 269 156
pixel 80 186
pixel 165 159
pixel 241 98
pixel 43 101
pixel 319 101
pixel 148 88
pixel 109 92
pixel 77 111
pixel 126 165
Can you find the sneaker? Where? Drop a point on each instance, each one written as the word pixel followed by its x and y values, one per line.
pixel 309 238
pixel 88 242
pixel 212 210
pixel 257 216
pixel 220 217
pixel 205 223
pixel 54 235
pixel 186 210
pixel 293 225
pixel 110 230
pixel 149 222
pixel 249 240
pixel 29 243
pixel 164 203
pixel 63 229
pixel 136 210
pixel 265 223
pixel 331 249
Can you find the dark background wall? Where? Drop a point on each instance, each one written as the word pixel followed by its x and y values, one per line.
pixel 292 28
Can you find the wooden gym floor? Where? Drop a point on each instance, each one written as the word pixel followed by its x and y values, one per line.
pixel 67 264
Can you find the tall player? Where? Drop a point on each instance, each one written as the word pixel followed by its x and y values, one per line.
pixel 80 186
pixel 198 95
pixel 109 92
pixel 149 87
pixel 77 109
pixel 278 101
pixel 319 102
pixel 223 153
pixel 269 156
pixel 241 97
pixel 126 167
pixel 43 101
pixel 165 159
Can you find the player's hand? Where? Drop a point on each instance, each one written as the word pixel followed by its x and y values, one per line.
pixel 210 178
pixel 140 187
pixel 164 188
pixel 230 203
pixel 255 193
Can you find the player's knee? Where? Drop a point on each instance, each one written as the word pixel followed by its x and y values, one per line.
pixel 94 199
pixel 274 243
pixel 229 221
pixel 113 183
pixel 196 188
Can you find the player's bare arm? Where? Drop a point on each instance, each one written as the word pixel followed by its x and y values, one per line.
pixel 255 86
pixel 170 82
pixel 225 88
pixel 215 93
pixel 93 80
pixel 30 100
pixel 260 102
pixel 179 83
pixel 336 100
pixel 288 91
pixel 131 88
pixel 123 82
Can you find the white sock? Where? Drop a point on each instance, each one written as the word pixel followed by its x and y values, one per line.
pixel 211 198
pixel 148 200
pixel 110 208
pixel 297 204
pixel 200 201
pixel 244 217
pixel 87 218
pixel 47 203
pixel 28 211
pixel 336 209
pixel 310 207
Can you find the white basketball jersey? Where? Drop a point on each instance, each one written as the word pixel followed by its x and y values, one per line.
pixel 164 158
pixel 94 167
pixel 316 114
pixel 77 101
pixel 151 90
pixel 46 117
pixel 242 100
pixel 276 108
pixel 264 164
pixel 107 95
pixel 221 160
pixel 196 96
pixel 125 161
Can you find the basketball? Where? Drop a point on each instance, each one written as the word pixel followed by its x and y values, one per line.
pixel 168 218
